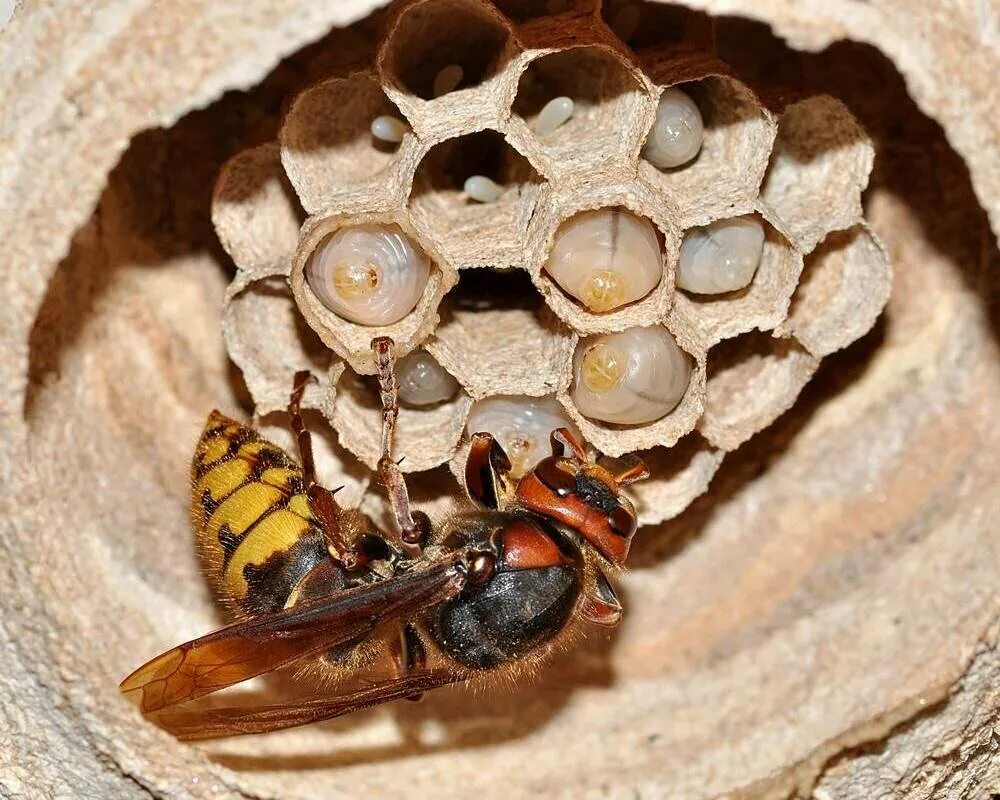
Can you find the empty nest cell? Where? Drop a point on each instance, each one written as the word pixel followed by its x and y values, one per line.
pixel 497 337
pixel 677 475
pixel 474 197
pixel 821 163
pixel 763 304
pixel 505 351
pixel 256 213
pixel 752 380
pixel 269 341
pixel 426 436
pixel 330 153
pixel 727 171
pixel 442 62
pixel 380 274
pixel 844 287
pixel 610 105
pixel 631 215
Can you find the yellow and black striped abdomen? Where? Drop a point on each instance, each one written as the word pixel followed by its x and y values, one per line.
pixel 251 517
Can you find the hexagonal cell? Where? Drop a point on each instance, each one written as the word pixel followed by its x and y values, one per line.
pixel 492 327
pixel 615 440
pixel 570 201
pixel 752 380
pixel 255 212
pixel 330 154
pixel 821 163
pixel 471 233
pixel 472 41
pixel 645 25
pixel 612 108
pixel 738 135
pixel 710 318
pixel 677 475
pixel 425 437
pixel 352 340
pixel 845 286
pixel 269 341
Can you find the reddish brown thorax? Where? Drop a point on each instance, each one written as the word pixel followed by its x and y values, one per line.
pixel 584 497
pixel 526 545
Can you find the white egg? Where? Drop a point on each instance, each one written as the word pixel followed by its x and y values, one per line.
pixel 633 377
pixel 522 426
pixel 422 381
pixel 556 112
pixel 447 79
pixel 369 274
pixel 389 129
pixel 677 133
pixel 482 189
pixel 721 257
pixel 606 258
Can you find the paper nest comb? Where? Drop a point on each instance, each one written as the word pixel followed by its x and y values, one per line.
pixel 823 280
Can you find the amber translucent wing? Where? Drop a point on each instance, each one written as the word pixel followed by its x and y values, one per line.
pixel 190 725
pixel 270 641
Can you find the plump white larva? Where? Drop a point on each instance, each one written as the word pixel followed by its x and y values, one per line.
pixel 630 378
pixel 422 381
pixel 447 79
pixel 555 113
pixel 522 425
pixel 369 274
pixel 389 129
pixel 721 257
pixel 678 132
pixel 606 258
pixel 482 189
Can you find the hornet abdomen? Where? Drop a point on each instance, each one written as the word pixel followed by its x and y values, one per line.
pixel 252 519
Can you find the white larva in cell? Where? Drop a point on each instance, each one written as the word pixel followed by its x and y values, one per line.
pixel 633 377
pixel 422 381
pixel 447 79
pixel 369 274
pixel 606 258
pixel 482 189
pixel 522 426
pixel 678 132
pixel 389 129
pixel 555 113
pixel 721 257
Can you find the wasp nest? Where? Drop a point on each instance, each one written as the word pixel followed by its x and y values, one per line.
pixel 693 254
